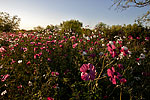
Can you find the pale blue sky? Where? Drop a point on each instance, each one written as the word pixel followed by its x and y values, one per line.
pixel 89 12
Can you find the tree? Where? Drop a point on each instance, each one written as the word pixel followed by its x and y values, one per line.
pixel 52 28
pixel 124 4
pixel 8 23
pixel 71 26
pixel 38 28
pixel 100 26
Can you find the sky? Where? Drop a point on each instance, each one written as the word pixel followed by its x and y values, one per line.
pixel 89 12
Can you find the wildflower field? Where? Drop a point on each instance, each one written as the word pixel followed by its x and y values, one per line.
pixel 52 66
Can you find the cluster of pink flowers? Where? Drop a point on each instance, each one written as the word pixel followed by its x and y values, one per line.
pixel 111 48
pixel 54 73
pixel 123 50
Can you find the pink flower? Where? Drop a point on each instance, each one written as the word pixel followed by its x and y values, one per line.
pixel 74 45
pixel 2 49
pixel 35 56
pixel 35 49
pixel 111 48
pixel 65 37
pixel 120 66
pixel 124 50
pixel 137 59
pixel 4 77
pixel 60 46
pixel 113 75
pixel 32 42
pixel 28 63
pixel 54 73
pixel 123 80
pixel 91 49
pixel 73 37
pixel 13 61
pixel 25 49
pixel 88 72
pixel 49 59
pixel 50 98
pixel 147 38
pixel 137 38
pixel 20 86
pixel 130 37
pixel 39 43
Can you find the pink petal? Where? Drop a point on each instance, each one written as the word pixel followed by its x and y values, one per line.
pixel 92 76
pixel 113 69
pixel 84 68
pixel 85 76
pixel 109 72
pixel 113 80
pixel 109 48
pixel 123 80
pixel 113 46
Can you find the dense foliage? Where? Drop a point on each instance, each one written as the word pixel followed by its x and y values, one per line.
pixel 53 66
pixel 8 23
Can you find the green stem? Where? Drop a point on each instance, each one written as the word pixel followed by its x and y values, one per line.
pixel 120 93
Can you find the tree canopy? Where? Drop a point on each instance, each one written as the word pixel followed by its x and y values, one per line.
pixel 124 4
pixel 71 26
pixel 8 23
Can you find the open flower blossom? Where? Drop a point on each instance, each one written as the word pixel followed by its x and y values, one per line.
pixel 28 63
pixel 74 45
pixel 88 72
pixel 54 73
pixel 4 77
pixel 111 48
pixel 120 66
pixel 50 98
pixel 115 75
pixel 2 49
pixel 124 50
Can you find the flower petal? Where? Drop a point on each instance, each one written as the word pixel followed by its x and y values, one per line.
pixel 85 76
pixel 84 68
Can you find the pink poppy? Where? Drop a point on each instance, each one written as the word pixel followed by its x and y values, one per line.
pixel 130 37
pixel 20 86
pixel 50 98
pixel 72 37
pixel 113 75
pixel 123 80
pixel 4 77
pixel 91 49
pixel 13 61
pixel 74 45
pixel 124 50
pixel 28 63
pixel 111 48
pixel 49 59
pixel 60 46
pixel 88 72
pixel 25 49
pixel 120 66
pixel 2 49
pixel 137 38
pixel 147 38
pixel 54 73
